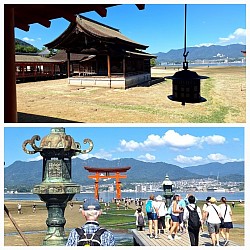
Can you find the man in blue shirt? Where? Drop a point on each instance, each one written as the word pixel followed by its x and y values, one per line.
pixel 91 211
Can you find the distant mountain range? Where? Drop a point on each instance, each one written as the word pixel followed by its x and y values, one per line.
pixel 212 52
pixel 23 43
pixel 27 174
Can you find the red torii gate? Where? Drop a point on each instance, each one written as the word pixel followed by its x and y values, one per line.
pixel 107 171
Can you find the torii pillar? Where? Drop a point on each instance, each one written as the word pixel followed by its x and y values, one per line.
pixel 104 173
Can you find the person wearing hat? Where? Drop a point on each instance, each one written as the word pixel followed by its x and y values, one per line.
pixel 162 211
pixel 213 215
pixel 91 210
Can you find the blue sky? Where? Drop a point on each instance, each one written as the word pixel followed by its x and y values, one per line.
pixel 182 146
pixel 160 26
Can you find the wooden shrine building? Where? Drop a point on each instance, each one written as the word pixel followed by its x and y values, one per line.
pixel 36 67
pixel 104 173
pixel 113 61
pixel 21 16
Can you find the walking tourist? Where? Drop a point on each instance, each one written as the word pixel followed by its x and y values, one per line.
pixel 34 208
pixel 213 215
pixel 233 204
pixel 175 218
pixel 206 204
pixel 19 208
pixel 192 214
pixel 162 211
pixel 126 204
pixel 152 211
pixel 91 234
pixel 182 204
pixel 140 221
pixel 226 213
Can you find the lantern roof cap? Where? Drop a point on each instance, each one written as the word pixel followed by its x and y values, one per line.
pixel 187 75
pixel 58 139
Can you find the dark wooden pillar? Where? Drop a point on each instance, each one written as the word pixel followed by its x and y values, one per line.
pixel 68 64
pixel 124 66
pixel 10 101
pixel 108 63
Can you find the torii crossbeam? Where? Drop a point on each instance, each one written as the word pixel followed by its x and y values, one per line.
pixel 104 173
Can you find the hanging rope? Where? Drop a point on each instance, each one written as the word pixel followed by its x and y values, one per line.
pixel 185 53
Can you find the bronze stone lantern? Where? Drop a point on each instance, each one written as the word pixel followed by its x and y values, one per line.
pixel 186 83
pixel 56 188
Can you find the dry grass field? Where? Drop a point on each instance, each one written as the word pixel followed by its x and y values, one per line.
pixel 56 101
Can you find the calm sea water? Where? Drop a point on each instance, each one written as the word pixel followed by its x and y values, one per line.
pixel 192 65
pixel 108 196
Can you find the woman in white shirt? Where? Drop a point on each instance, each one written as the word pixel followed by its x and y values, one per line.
pixel 162 211
pixel 226 213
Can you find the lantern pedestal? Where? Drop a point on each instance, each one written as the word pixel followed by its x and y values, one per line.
pixel 56 198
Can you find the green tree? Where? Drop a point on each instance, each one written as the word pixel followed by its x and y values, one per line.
pixel 152 62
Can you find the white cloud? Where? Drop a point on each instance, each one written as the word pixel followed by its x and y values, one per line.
pixel 188 160
pixel 204 44
pixel 238 36
pixel 172 139
pixel 102 154
pixel 38 158
pixel 214 139
pixel 217 157
pixel 147 157
pixel 129 146
pixel 26 39
pixel 236 139
pixel 198 160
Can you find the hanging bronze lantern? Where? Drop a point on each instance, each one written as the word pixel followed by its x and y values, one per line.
pixel 186 87
pixel 186 83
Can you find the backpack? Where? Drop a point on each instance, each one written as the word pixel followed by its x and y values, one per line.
pixel 149 207
pixel 194 219
pixel 93 239
pixel 169 210
pixel 140 220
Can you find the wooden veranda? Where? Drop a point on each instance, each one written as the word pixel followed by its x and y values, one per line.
pixel 141 238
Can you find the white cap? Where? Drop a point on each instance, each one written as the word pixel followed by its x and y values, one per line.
pixel 158 198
